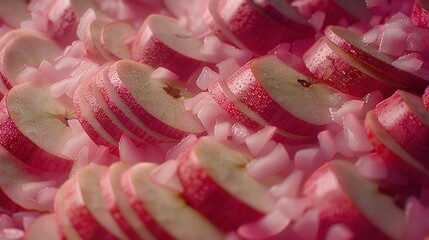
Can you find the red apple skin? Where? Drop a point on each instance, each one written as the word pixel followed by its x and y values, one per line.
pixel 337 207
pixel 391 154
pixel 117 106
pixel 15 142
pixel 203 194
pixel 351 43
pixel 420 14
pixel 129 189
pixel 253 28
pixel 426 99
pixel 404 117
pixel 324 61
pixel 63 27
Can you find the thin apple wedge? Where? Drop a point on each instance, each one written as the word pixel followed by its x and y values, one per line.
pixel 353 44
pixel 406 119
pixel 213 173
pixel 85 209
pixel 159 104
pixel 162 42
pixel 164 212
pixel 19 14
pixel 34 126
pixel 113 38
pixel 393 153
pixel 42 228
pixel 118 205
pixel 284 97
pixel 92 41
pixel 420 13
pixel 343 196
pixel 125 115
pixel 342 71
pixel 23 50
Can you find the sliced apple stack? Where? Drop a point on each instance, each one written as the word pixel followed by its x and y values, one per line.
pixel 352 43
pixel 34 126
pixel 334 66
pixel 398 129
pixel 162 42
pixel 24 49
pixel 245 25
pixel 343 196
pixel 213 173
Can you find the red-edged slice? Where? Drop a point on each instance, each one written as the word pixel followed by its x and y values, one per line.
pixel 119 207
pixel 162 42
pixel 406 119
pixel 342 71
pixel 164 213
pixel 43 228
pixel 392 153
pixel 159 104
pixel 284 97
pixel 28 48
pixel 213 173
pixel 92 41
pixel 84 206
pixel 352 43
pixel 420 13
pixel 34 126
pixel 113 38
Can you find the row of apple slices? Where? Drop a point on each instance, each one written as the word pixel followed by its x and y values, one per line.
pixel 399 130
pixel 266 91
pixel 123 201
pixel 342 60
pixel 124 98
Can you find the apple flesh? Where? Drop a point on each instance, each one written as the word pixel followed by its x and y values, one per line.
pixel 342 71
pixel 352 43
pixel 164 212
pixel 162 42
pixel 405 118
pixel 84 206
pixel 92 41
pixel 26 49
pixel 213 173
pixel 393 153
pixel 420 13
pixel 41 228
pixel 33 126
pixel 151 100
pixel 119 207
pixel 284 97
pixel 343 196
pixel 113 39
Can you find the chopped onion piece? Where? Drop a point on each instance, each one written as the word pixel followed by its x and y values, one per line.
pixel 274 162
pixel 268 226
pixel 372 167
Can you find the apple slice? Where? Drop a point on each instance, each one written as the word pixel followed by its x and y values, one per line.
pixel 84 206
pixel 65 228
pixel 164 212
pixel 33 126
pixel 392 153
pixel 41 228
pixel 104 116
pixel 342 71
pixel 420 13
pixel 90 124
pixel 23 50
pixel 14 12
pixel 159 104
pixel 241 113
pixel 162 42
pixel 343 196
pixel 92 41
pixel 405 118
pixel 112 38
pixel 352 43
pixel 250 26
pixel 213 173
pixel 119 207
pixel 125 115
pixel 284 97
pixel 13 175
